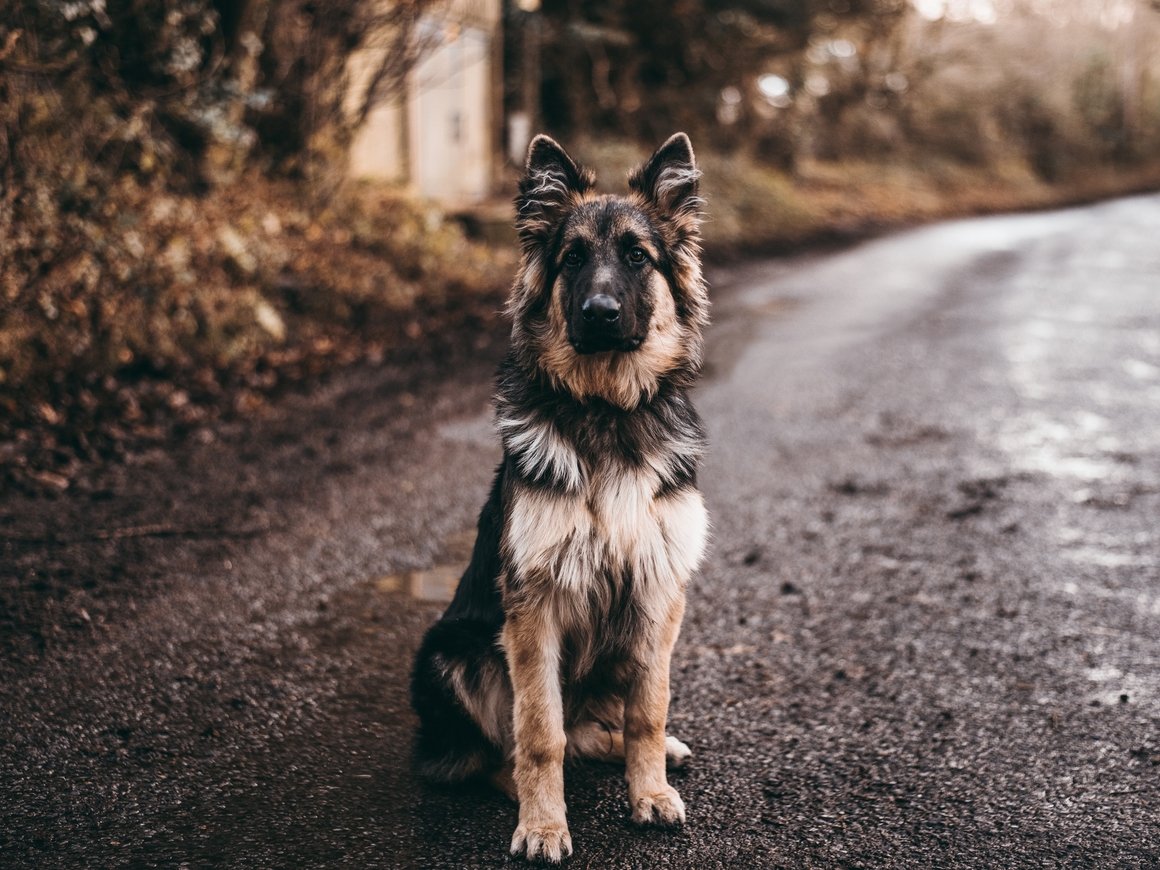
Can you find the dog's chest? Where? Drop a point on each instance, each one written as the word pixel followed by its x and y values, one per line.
pixel 616 525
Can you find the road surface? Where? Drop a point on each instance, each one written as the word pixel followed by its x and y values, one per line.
pixel 927 634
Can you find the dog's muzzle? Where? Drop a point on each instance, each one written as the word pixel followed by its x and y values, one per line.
pixel 603 327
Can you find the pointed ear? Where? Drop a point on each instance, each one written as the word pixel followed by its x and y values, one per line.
pixel 551 182
pixel 669 179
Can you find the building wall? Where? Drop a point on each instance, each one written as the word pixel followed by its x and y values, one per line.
pixel 378 150
pixel 440 139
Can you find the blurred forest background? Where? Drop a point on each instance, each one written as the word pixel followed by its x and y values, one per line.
pixel 181 234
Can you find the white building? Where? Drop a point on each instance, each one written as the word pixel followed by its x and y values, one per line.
pixel 441 137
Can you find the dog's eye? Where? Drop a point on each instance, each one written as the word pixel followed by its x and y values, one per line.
pixel 573 259
pixel 637 256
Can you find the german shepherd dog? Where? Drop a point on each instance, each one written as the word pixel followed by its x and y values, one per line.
pixel 558 639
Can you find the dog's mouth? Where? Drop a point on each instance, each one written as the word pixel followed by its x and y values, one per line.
pixel 588 345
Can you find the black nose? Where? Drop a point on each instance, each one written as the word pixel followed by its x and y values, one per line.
pixel 601 309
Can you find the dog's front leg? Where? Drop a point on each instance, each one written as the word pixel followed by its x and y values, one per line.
pixel 646 711
pixel 533 651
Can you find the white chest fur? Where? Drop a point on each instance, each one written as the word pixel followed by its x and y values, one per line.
pixel 613 522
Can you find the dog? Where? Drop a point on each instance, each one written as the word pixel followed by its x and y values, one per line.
pixel 558 640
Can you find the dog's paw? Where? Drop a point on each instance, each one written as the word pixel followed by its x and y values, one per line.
pixel 676 752
pixel 549 842
pixel 660 808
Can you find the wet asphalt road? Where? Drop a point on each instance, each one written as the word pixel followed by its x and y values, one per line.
pixel 927 634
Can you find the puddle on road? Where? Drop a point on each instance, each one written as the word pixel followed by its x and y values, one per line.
pixel 1106 550
pixel 1140 370
pixel 1078 446
pixel 1109 559
pixel 436 583
pixel 1080 404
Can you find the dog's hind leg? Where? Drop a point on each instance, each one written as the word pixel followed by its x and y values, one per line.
pixel 598 742
pixel 460 690
pixel 504 780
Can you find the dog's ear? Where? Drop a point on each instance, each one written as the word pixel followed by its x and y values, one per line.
pixel 552 181
pixel 669 181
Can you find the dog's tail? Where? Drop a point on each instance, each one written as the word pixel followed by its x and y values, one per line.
pixel 461 691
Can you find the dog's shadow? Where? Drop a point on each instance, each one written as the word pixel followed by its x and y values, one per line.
pixel 467 818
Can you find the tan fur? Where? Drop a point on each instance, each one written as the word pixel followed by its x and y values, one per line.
pixel 532 645
pixel 649 794
pixel 622 379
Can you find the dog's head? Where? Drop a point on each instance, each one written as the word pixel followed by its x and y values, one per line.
pixel 610 298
